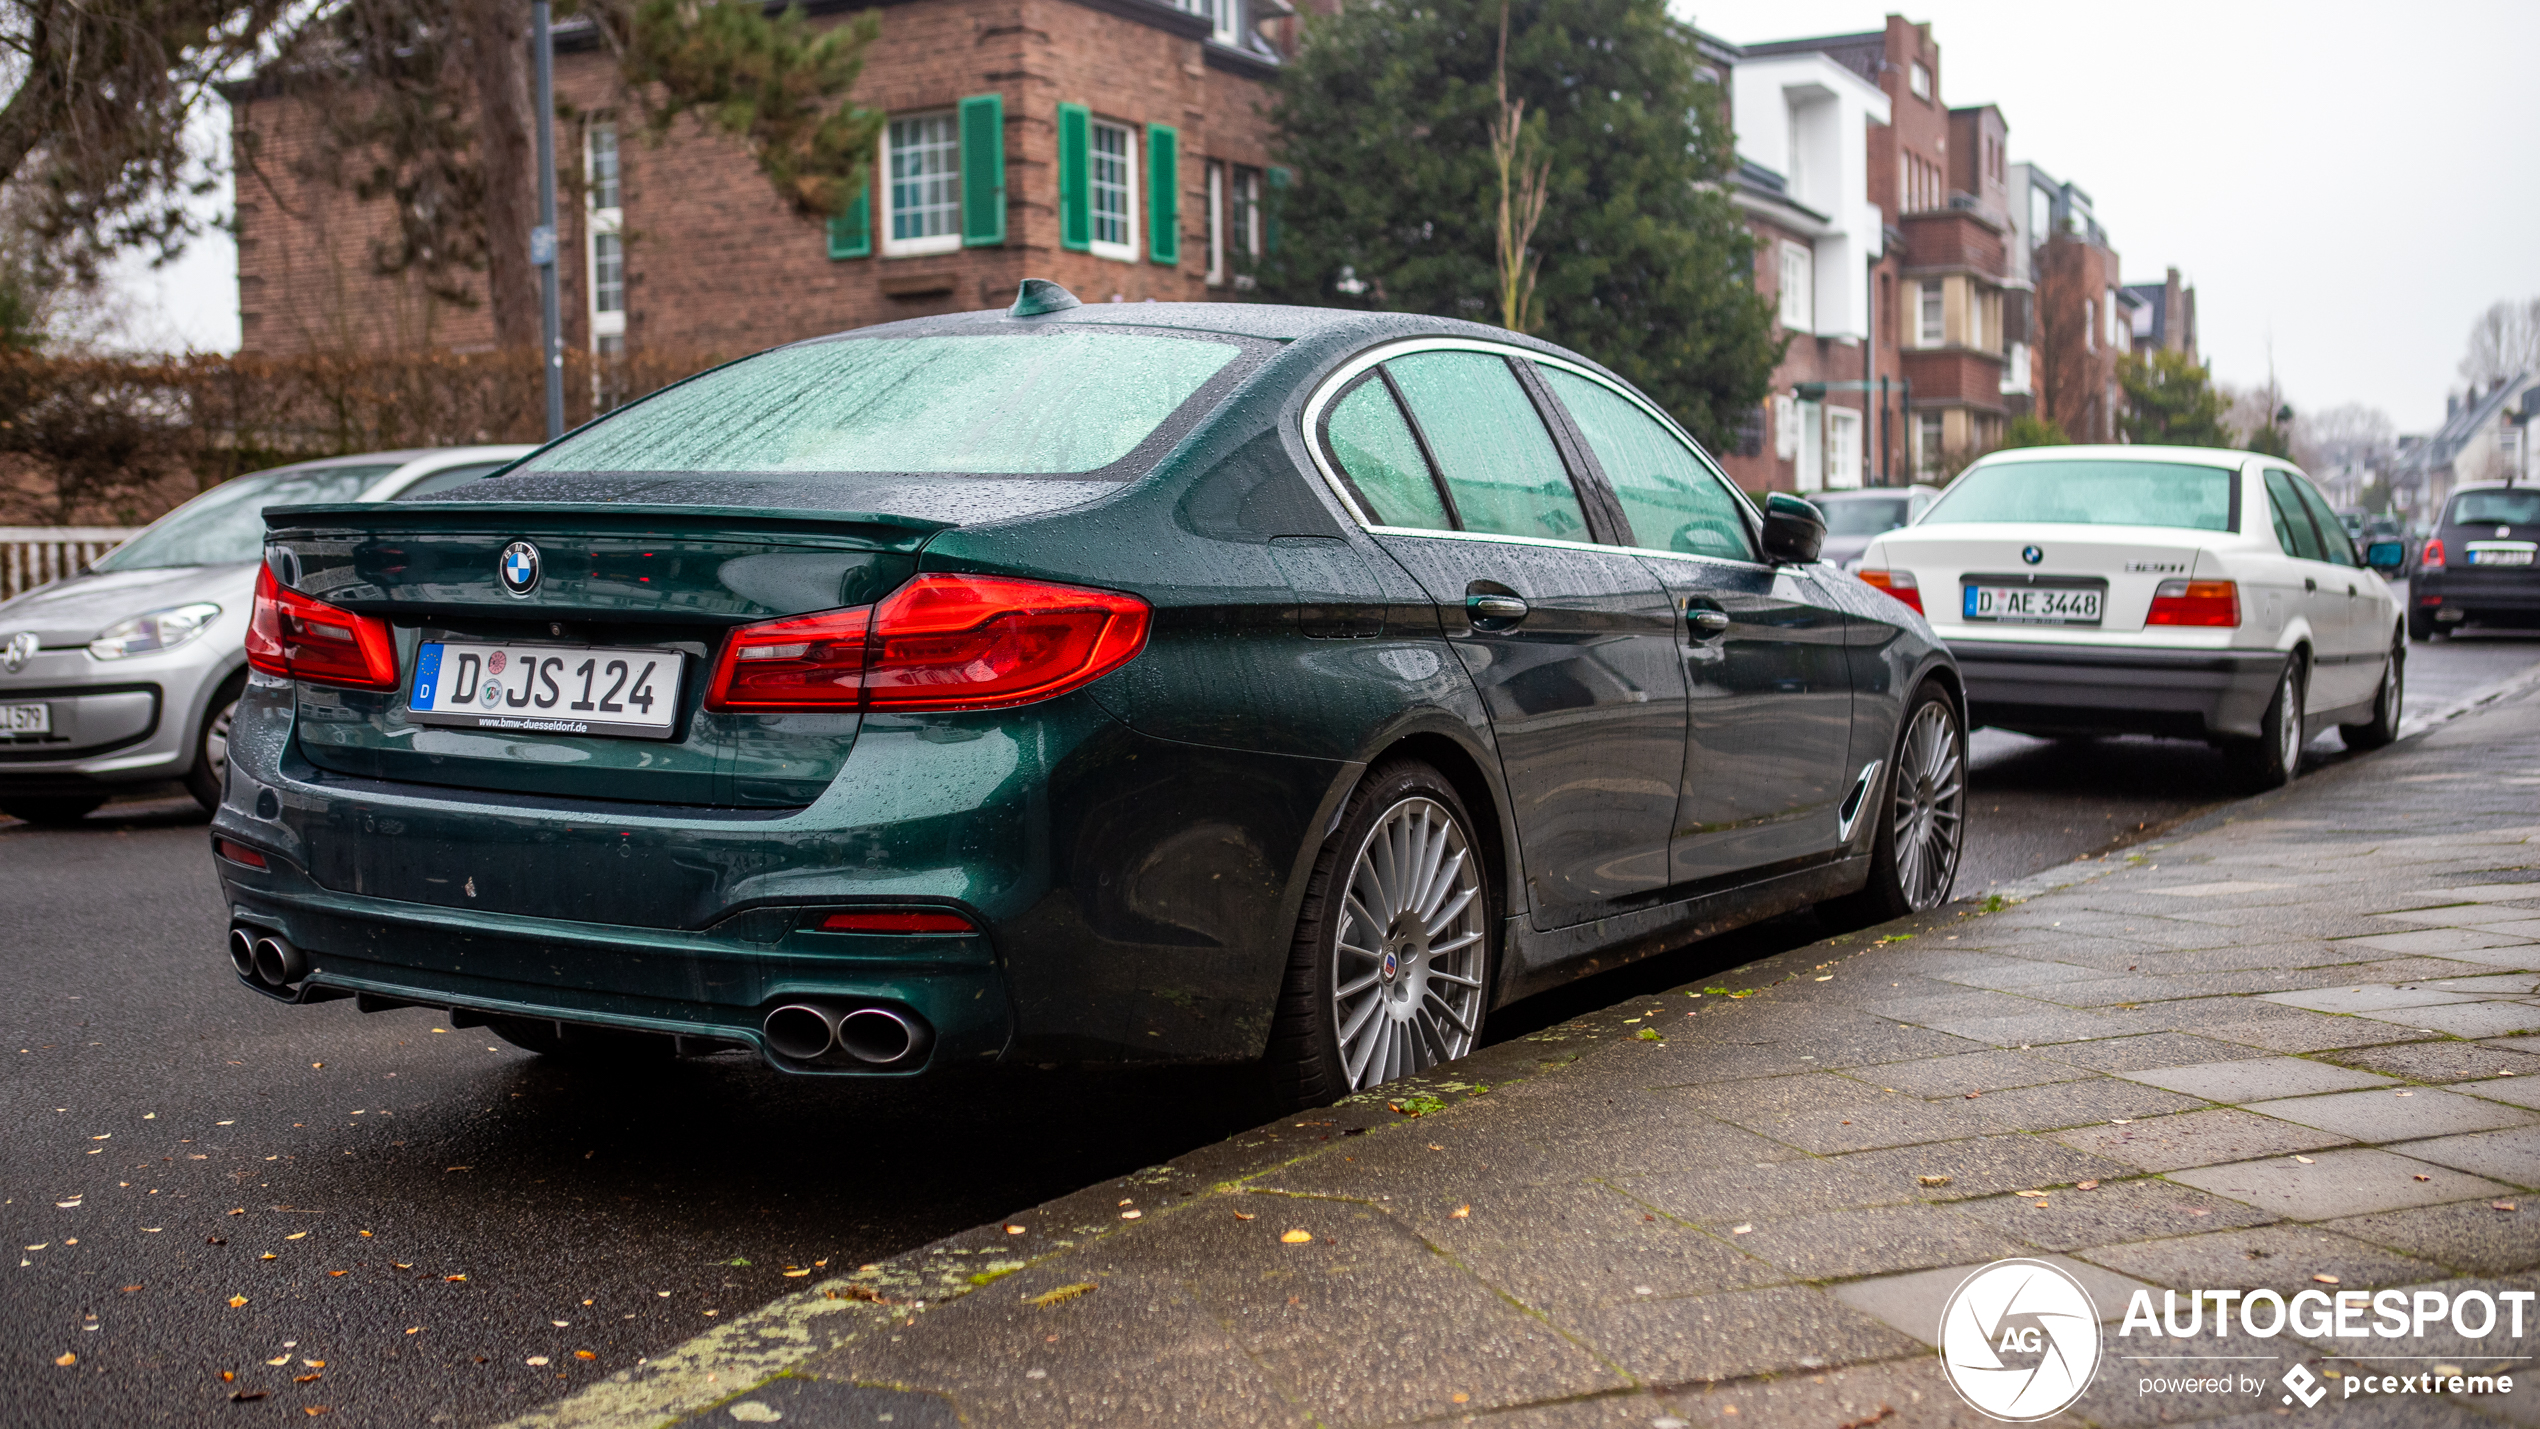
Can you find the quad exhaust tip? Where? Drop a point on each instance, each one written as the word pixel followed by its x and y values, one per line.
pixel 268 959
pixel 874 1036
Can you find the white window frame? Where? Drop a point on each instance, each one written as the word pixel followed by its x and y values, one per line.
pixel 1811 471
pixel 1798 290
pixel 1122 252
pixel 1216 222
pixel 1844 449
pixel 887 183
pixel 607 328
pixel 1931 313
pixel 1918 79
pixel 2090 324
pixel 1931 430
pixel 1975 317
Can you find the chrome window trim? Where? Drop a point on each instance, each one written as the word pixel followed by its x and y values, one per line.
pixel 1331 386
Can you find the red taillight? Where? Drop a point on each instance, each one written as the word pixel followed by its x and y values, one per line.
pixel 2195 603
pixel 898 921
pixel 940 642
pixel 2431 559
pixel 1899 584
pixel 239 853
pixel 291 635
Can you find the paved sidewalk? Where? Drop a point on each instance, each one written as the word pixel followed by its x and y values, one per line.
pixel 2294 1043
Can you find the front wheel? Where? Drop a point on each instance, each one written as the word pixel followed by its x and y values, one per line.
pixel 1390 966
pixel 1922 827
pixel 2383 727
pixel 2272 759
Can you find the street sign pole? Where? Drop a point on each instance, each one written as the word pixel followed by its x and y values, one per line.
pixel 542 241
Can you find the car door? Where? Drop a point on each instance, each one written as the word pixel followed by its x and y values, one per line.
pixel 2366 640
pixel 2321 596
pixel 1569 641
pixel 1768 690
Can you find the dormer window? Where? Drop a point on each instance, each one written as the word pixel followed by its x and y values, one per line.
pixel 1224 17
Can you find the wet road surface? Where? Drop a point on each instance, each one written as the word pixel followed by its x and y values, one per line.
pixel 388 1217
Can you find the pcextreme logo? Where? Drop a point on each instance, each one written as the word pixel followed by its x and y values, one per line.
pixel 2019 1340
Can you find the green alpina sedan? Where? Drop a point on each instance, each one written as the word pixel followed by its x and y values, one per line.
pixel 1170 682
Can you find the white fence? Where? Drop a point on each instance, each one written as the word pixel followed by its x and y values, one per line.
pixel 32 555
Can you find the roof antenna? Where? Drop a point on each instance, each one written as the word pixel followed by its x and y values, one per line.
pixel 1038 296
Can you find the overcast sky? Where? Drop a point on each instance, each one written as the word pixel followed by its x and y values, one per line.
pixel 2347 185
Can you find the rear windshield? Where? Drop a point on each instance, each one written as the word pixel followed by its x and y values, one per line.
pixel 2495 508
pixel 226 525
pixel 2091 493
pixel 1057 402
pixel 1863 515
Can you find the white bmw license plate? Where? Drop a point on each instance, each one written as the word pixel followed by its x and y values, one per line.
pixel 2034 605
pixel 546 689
pixel 26 719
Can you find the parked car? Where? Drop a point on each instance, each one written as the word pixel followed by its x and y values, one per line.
pixel 2174 591
pixel 126 673
pixel 1168 682
pixel 2477 569
pixel 1854 518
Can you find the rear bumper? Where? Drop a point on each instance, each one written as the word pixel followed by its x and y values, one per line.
pixel 2512 595
pixel 2065 689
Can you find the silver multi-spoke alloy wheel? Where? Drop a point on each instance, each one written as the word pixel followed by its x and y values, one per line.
pixel 1929 798
pixel 1410 948
pixel 2288 729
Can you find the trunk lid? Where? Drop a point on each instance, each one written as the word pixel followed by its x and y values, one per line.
pixel 644 583
pixel 1952 563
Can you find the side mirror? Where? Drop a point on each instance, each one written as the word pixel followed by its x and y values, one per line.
pixel 1794 529
pixel 2386 556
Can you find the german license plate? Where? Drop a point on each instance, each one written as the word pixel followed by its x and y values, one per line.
pixel 546 689
pixel 2033 605
pixel 26 719
pixel 2500 555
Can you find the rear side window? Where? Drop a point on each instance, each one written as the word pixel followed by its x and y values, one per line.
pixel 1056 402
pixel 2495 508
pixel 1669 496
pixel 1381 458
pixel 2293 529
pixel 1500 465
pixel 2335 546
pixel 2094 493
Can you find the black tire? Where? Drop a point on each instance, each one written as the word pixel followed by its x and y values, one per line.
pixel 2387 703
pixel 2272 759
pixel 2420 626
pixel 208 779
pixel 57 812
pixel 596 1046
pixel 1899 886
pixel 1304 1065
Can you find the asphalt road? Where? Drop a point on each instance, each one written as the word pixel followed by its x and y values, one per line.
pixel 425 1225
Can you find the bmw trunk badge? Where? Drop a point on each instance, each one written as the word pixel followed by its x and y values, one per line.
pixel 2031 554
pixel 519 568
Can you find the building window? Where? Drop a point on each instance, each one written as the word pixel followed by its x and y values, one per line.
pixel 1798 288
pixel 1113 184
pixel 1920 78
pixel 2090 324
pixel 922 201
pixel 1930 329
pixel 1244 226
pixel 1975 319
pixel 604 246
pixel 1216 223
pixel 1843 449
pixel 1927 435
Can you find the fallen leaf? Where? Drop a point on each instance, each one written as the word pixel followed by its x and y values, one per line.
pixel 228 1377
pixel 2326 1279
pixel 1245 1216
pixel 458 1168
pixel 239 1211
pixel 247 1396
pixel 2500 1205
pixel 1461 1398
pixel 268 1255
pixel 66 1359
pixel 414 1329
pixel 128 1289
pixel 1740 1229
pixel 279 1359
pixel 1131 1215
pixel 1048 1298
pixel 401 1265
pixel 796 1274
pixel 2305 1160
pixel 2423 1177
pixel 2038 1205
pixel 584 1355
pixel 1461 1213
pixel 365 1235
pixel 1014 1230
pixel 2200 1213
pixel 2086 1186
pixel 339 1274
pixel 314 1364
pixel 561 1324
pixel 296 1235
pixel 537 1359
pixel 306 1378
pixel 1297 1238
pixel 237 1300
pixel 1971 1096
pixel 454 1277
pixel 2028 1193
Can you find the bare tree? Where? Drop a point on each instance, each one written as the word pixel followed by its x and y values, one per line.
pixel 1524 174
pixel 2340 437
pixel 2504 342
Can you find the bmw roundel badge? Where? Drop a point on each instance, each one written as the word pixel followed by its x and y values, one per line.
pixel 2030 554
pixel 519 568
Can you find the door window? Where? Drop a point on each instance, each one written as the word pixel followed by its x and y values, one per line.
pixel 2293 529
pixel 2338 549
pixel 1669 495
pixel 1500 465
pixel 1373 446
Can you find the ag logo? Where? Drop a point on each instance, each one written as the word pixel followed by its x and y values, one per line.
pixel 519 568
pixel 2019 1340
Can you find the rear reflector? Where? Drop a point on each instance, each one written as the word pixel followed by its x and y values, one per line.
pixel 290 635
pixel 239 853
pixel 2431 558
pixel 1899 584
pixel 2176 602
pixel 898 921
pixel 940 642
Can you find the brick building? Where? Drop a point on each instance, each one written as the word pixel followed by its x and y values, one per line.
pixel 1117 146
pixel 1922 332
pixel 2079 314
pixel 2164 315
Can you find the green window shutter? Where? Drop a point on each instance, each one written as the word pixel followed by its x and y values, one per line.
pixel 983 171
pixel 851 233
pixel 1075 166
pixel 1164 194
pixel 1279 180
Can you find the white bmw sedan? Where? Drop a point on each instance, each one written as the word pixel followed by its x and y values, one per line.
pixel 2179 591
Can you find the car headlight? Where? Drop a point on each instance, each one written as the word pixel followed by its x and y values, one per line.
pixel 154 631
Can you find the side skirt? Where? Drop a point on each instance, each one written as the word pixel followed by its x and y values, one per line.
pixel 1539 961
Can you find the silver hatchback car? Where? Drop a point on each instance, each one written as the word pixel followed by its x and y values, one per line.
pixel 125 674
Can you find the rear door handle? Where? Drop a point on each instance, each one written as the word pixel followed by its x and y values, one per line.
pixel 2310 584
pixel 1498 609
pixel 1707 624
